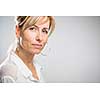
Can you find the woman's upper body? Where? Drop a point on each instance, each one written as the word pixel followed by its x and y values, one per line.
pixel 32 34
pixel 13 70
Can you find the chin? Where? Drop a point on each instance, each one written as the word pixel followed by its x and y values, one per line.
pixel 36 52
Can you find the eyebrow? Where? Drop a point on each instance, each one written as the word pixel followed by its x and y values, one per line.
pixel 38 27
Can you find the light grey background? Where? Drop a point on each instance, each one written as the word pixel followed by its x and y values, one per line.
pixel 73 51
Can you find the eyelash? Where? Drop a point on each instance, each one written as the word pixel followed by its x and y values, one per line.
pixel 34 28
pixel 45 31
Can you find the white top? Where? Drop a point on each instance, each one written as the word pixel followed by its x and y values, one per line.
pixel 13 70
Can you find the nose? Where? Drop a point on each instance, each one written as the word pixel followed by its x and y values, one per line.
pixel 38 37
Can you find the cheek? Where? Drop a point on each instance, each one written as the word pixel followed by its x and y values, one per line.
pixel 45 39
pixel 26 41
pixel 28 37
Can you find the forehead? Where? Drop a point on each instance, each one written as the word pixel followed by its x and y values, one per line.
pixel 43 21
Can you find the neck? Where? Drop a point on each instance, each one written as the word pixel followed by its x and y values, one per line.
pixel 24 55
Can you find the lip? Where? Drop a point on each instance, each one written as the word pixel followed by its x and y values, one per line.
pixel 38 46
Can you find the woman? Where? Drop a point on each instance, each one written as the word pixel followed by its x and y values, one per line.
pixel 32 34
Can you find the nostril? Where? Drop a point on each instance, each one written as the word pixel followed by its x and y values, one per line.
pixel 38 38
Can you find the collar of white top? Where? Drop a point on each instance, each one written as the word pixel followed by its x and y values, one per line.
pixel 22 67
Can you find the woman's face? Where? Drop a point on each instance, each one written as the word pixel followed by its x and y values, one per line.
pixel 35 37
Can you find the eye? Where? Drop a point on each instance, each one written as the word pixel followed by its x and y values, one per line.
pixel 32 28
pixel 45 30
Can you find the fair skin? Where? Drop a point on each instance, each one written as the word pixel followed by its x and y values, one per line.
pixel 33 41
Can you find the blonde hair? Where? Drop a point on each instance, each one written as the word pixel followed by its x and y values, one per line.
pixel 25 21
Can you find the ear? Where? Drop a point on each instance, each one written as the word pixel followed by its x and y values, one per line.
pixel 18 33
